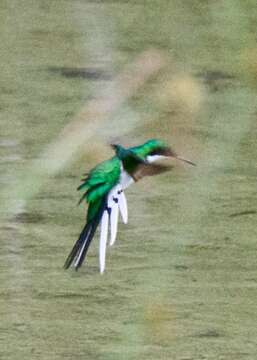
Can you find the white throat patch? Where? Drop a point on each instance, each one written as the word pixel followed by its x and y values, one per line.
pixel 152 158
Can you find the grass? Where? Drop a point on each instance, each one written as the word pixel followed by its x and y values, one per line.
pixel 181 280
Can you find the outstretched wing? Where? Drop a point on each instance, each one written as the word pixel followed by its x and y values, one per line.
pixel 143 170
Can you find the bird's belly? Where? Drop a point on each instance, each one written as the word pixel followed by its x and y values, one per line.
pixel 125 180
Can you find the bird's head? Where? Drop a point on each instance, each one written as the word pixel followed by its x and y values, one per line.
pixel 126 154
pixel 158 149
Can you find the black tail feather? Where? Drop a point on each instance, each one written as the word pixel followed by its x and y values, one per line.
pixel 77 246
pixel 81 246
pixel 88 242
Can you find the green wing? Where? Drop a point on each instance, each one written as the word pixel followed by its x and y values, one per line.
pixel 98 183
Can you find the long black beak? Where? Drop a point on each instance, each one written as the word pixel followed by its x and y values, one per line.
pixel 185 160
pixel 172 153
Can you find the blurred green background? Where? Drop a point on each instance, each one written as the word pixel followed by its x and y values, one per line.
pixel 181 281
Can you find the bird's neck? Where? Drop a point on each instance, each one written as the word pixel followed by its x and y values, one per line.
pixel 126 179
pixel 129 165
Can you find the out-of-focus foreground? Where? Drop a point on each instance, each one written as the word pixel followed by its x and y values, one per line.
pixel 181 280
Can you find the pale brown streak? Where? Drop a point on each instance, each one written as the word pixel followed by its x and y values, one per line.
pixel 150 170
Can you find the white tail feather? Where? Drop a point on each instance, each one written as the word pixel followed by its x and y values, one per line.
pixel 123 207
pixel 113 205
pixel 114 222
pixel 103 240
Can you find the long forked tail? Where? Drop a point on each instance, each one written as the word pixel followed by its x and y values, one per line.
pixel 80 248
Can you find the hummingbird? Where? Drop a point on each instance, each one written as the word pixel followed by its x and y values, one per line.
pixel 104 187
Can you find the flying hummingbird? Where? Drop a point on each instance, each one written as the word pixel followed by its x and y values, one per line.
pixel 104 192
